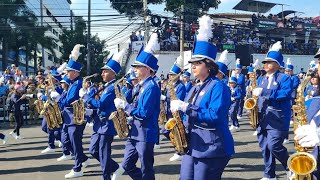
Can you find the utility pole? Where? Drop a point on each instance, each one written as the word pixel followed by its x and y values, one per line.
pixel 182 35
pixel 146 21
pixel 88 38
pixel 41 21
pixel 71 19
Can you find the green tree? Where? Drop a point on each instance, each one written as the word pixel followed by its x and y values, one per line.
pixel 131 9
pixel 193 8
pixel 9 10
pixel 78 36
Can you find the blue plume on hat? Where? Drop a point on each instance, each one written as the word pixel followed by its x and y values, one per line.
pixel 73 64
pixel 289 65
pixel 202 47
pixel 274 54
pixel 223 62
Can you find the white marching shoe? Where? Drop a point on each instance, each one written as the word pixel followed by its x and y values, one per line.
pixel 86 163
pixel 48 150
pixel 286 141
pixel 58 143
pixel 157 146
pixel 239 117
pixel 65 157
pixel 116 137
pixel 176 157
pixel 264 178
pixel 255 133
pixel 73 174
pixel 116 175
pixel 13 134
pixel 234 128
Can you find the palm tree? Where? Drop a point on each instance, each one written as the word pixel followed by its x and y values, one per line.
pixel 8 10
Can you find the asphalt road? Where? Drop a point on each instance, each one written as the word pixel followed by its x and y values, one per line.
pixel 22 160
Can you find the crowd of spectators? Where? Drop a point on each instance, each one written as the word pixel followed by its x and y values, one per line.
pixel 227 36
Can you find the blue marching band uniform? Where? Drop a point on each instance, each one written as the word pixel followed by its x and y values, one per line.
pixel 205 109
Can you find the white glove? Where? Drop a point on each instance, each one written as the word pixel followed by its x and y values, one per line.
pixel 54 94
pixel 82 92
pixel 89 112
pixel 29 96
pixel 39 96
pixel 120 103
pixel 163 97
pixel 249 88
pixel 307 136
pixel 257 91
pixel 232 98
pixel 178 105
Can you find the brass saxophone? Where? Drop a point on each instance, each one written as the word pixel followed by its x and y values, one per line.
pixel 55 105
pixel 119 117
pixel 162 115
pixel 48 112
pixel 174 125
pixel 251 103
pixel 39 103
pixel 79 105
pixel 302 163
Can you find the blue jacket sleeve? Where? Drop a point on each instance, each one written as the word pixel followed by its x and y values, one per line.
pixel 238 93
pixel 281 93
pixel 295 82
pixel 218 106
pixel 128 95
pixel 73 93
pixel 181 92
pixel 241 80
pixel 144 109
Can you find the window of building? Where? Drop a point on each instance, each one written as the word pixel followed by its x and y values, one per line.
pixel 50 57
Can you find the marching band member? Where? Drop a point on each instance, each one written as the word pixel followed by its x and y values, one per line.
pixel 67 149
pixel 103 128
pixel 54 135
pixel 210 141
pixel 252 68
pixel 241 83
pixel 295 83
pixel 128 94
pixel 186 81
pixel 144 113
pixel 180 91
pixel 158 81
pixel 235 100
pixel 75 132
pixel 136 86
pixel 223 63
pixel 295 80
pixel 312 87
pixel 309 135
pixel 274 96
